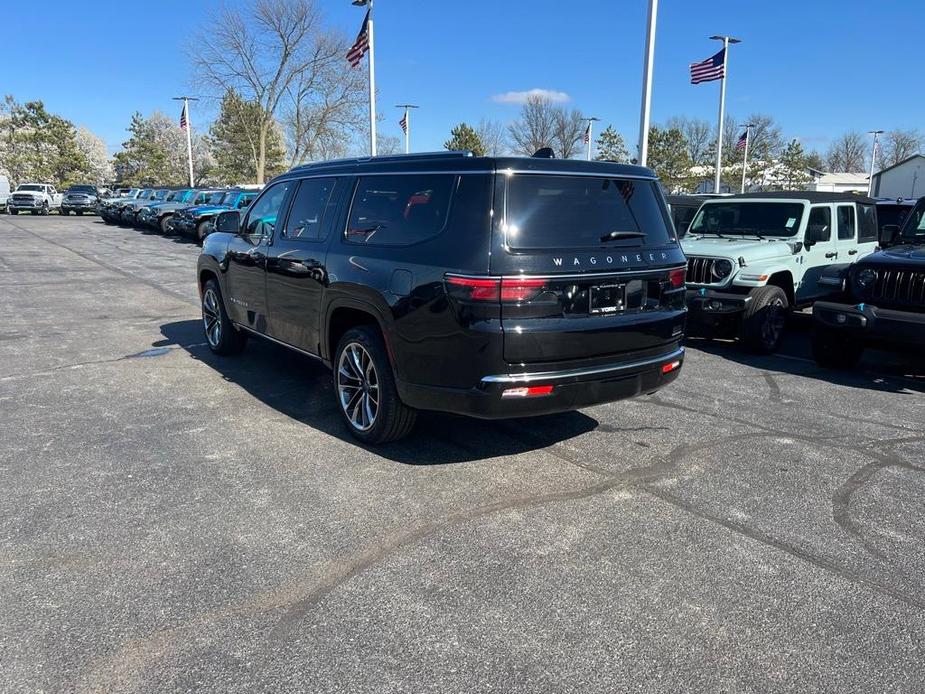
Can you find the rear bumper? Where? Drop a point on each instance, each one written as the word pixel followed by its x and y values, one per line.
pixel 872 323
pixel 571 389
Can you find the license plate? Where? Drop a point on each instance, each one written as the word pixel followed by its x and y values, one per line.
pixel 607 298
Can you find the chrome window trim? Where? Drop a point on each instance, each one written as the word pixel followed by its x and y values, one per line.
pixel 591 371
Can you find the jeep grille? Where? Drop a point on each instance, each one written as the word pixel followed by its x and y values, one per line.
pixel 700 271
pixel 900 287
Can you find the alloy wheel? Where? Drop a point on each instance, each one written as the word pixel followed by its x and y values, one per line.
pixel 773 325
pixel 358 386
pixel 212 317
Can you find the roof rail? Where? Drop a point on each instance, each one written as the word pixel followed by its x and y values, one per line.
pixel 448 154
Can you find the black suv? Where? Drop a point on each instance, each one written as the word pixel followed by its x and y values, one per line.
pixel 490 287
pixel 886 302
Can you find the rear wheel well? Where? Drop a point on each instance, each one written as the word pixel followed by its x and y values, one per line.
pixel 784 280
pixel 342 320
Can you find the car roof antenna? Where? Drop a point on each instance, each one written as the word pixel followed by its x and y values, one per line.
pixel 544 153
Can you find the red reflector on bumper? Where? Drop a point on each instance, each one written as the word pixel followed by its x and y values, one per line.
pixel 671 366
pixel 527 392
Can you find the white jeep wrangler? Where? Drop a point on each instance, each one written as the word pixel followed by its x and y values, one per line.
pixel 37 198
pixel 754 257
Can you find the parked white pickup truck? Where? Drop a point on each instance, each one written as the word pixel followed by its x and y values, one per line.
pixel 37 198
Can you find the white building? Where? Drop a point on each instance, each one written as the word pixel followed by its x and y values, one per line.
pixel 839 182
pixel 903 180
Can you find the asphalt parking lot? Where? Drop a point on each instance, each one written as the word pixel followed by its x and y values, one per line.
pixel 174 521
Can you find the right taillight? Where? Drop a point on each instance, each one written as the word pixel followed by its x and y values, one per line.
pixel 495 289
pixel 676 277
pixel 518 289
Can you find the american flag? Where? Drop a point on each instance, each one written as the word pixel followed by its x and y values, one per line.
pixel 713 68
pixel 404 123
pixel 184 121
pixel 361 45
pixel 742 141
pixel 587 137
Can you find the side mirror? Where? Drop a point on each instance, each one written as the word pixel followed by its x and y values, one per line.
pixel 889 235
pixel 228 222
pixel 816 233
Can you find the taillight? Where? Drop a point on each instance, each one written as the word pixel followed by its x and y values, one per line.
pixel 476 288
pixel 520 288
pixel 676 277
pixel 506 289
pixel 671 366
pixel 527 392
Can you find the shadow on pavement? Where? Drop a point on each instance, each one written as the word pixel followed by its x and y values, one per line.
pixel 882 371
pixel 300 387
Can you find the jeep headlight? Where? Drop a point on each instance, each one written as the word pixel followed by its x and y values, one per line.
pixel 722 269
pixel 867 277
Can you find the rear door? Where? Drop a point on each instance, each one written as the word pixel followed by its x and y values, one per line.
pixel 296 270
pixel 586 265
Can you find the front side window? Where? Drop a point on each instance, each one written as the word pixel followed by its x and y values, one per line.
pixel 215 198
pixel 845 222
pixel 309 206
pixel 399 210
pixel 821 217
pixel 261 220
pixel 735 218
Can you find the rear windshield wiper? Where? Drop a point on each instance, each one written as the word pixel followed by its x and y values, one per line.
pixel 616 235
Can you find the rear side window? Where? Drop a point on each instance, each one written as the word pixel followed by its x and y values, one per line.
pixel 867 224
pixel 306 217
pixel 845 222
pixel 399 210
pixel 544 212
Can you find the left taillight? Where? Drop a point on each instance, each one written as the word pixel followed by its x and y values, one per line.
pixel 495 289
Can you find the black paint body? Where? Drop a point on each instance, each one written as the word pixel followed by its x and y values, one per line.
pixel 446 352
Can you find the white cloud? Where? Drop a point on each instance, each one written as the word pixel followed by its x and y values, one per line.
pixel 521 97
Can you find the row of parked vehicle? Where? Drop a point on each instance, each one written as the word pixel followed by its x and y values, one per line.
pixel 508 287
pixel 187 211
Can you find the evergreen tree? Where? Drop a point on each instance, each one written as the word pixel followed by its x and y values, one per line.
pixel 669 158
pixel 155 154
pixel 611 147
pixel 233 141
pixel 464 137
pixel 792 174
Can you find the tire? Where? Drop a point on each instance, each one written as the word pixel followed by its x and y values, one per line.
pixel 79 213
pixel 33 212
pixel 163 224
pixel 833 350
pixel 13 212
pixel 45 209
pixel 362 372
pixel 221 335
pixel 202 230
pixel 64 213
pixel 763 322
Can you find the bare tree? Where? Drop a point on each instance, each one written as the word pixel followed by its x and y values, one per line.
pixel 536 127
pixel 698 134
pixel 568 131
pixel 491 134
pixel 897 145
pixel 277 54
pixel 848 153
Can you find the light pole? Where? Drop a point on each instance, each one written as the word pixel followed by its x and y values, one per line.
pixel 647 65
pixel 873 160
pixel 186 125
pixel 588 135
pixel 722 107
pixel 405 124
pixel 748 131
pixel 372 74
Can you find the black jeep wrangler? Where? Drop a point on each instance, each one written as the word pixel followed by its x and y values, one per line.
pixel 490 287
pixel 885 306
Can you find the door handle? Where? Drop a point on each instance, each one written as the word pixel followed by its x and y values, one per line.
pixel 255 254
pixel 832 254
pixel 853 251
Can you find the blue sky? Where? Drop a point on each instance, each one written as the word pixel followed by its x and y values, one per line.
pixel 820 67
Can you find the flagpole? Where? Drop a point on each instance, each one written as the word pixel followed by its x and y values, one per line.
pixel 722 108
pixel 189 133
pixel 372 83
pixel 590 134
pixel 407 127
pixel 873 160
pixel 647 66
pixel 748 130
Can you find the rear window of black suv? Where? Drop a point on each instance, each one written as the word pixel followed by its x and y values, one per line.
pixel 550 212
